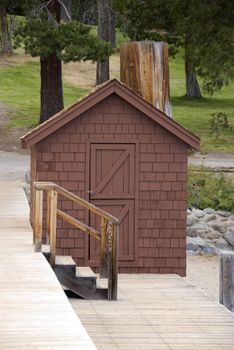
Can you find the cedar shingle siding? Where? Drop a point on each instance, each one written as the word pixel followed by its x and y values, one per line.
pixel 149 188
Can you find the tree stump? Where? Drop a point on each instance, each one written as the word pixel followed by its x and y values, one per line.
pixel 144 68
pixel 226 286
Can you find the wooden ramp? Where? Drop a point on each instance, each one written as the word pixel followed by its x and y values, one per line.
pixel 157 312
pixel 34 311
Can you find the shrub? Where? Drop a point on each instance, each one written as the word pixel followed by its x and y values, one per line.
pixel 218 124
pixel 209 189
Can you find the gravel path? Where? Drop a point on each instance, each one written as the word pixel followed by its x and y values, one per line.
pixel 216 161
pixel 13 166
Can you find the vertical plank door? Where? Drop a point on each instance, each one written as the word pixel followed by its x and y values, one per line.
pixel 112 188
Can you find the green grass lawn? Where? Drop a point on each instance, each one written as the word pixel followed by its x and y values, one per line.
pixel 194 114
pixel 20 89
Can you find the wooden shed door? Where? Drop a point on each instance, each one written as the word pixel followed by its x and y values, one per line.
pixel 112 180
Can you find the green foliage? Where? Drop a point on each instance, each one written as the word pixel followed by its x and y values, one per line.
pixel 207 189
pixel 71 41
pixel 218 124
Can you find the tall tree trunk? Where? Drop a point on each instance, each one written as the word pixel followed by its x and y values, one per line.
pixel 112 28
pixel 106 31
pixel 6 45
pixel 51 87
pixel 51 77
pixel 192 85
pixel 66 8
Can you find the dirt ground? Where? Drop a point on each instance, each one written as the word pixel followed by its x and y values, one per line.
pixel 9 138
pixel 203 271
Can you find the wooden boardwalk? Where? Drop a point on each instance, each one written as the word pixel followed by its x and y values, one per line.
pixel 34 311
pixel 157 312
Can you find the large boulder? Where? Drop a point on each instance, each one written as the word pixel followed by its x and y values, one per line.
pixel 192 219
pixel 221 243
pixel 197 242
pixel 210 234
pixel 229 237
pixel 224 213
pixel 209 211
pixel 218 226
pixel 197 229
pixel 209 250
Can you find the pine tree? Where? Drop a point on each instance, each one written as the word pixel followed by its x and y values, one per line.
pixel 5 34
pixel 106 31
pixel 44 35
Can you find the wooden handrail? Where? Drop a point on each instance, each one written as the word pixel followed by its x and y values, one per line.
pixel 108 237
pixel 76 199
pixel 79 224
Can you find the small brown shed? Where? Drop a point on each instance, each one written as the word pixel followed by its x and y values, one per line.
pixel 122 154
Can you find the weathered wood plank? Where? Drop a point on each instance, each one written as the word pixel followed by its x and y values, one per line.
pixel 35 313
pixel 37 224
pixel 53 225
pixel 144 68
pixel 226 283
pixel 80 225
pixel 103 249
pixel 83 203
pixel 157 312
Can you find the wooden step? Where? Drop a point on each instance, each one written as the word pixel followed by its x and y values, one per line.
pixel 45 248
pixel 84 288
pixel 64 260
pixel 102 283
pixel 85 272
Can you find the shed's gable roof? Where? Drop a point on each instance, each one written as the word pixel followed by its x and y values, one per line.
pixel 68 114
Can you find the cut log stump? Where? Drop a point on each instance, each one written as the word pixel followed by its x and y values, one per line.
pixel 144 68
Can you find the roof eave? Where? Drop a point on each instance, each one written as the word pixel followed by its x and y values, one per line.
pixel 66 115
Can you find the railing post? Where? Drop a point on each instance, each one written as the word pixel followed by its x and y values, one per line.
pixel 226 282
pixel 52 225
pixel 37 223
pixel 48 217
pixel 104 249
pixel 113 263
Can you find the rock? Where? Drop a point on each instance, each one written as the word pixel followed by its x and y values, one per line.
pixel 224 219
pixel 218 226
pixel 229 236
pixel 209 211
pixel 209 230
pixel 210 217
pixel 197 241
pixel 210 235
pixel 196 229
pixel 221 243
pixel 191 246
pixel 199 213
pixel 224 213
pixel 191 220
pixel 229 223
pixel 209 250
